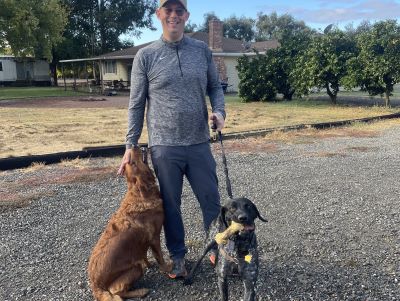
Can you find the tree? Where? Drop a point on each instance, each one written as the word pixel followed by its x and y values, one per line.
pixel 275 27
pixel 294 37
pixel 190 27
pixel 284 64
pixel 256 75
pixel 323 64
pixel 100 23
pixel 95 26
pixel 293 43
pixel 233 27
pixel 207 18
pixel 31 27
pixel 239 28
pixel 376 69
pixel 364 26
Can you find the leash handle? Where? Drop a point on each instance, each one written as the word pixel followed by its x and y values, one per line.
pixel 227 180
pixel 214 130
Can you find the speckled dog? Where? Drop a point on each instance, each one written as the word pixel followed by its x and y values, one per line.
pixel 240 252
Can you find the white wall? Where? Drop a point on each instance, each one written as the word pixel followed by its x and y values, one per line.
pixel 122 72
pixel 9 72
pixel 231 72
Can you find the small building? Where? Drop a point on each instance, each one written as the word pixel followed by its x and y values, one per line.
pixel 116 66
pixel 23 71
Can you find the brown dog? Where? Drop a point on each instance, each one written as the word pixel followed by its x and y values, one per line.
pixel 120 256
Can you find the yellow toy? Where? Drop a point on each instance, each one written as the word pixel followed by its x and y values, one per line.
pixel 222 238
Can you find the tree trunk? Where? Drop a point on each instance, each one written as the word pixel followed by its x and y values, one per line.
pixel 333 96
pixel 53 70
pixel 53 66
pixel 288 95
pixel 388 90
pixel 387 98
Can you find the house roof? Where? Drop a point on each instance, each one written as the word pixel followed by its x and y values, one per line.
pixel 228 46
pixel 11 57
pixel 131 51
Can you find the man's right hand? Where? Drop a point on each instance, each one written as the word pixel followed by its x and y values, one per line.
pixel 218 120
pixel 126 159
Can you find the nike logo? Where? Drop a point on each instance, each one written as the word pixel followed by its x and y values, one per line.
pixel 161 58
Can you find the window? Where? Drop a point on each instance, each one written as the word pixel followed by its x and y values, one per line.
pixel 1 66
pixel 110 67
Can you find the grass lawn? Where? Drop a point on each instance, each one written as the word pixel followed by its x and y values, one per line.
pixel 29 92
pixel 26 131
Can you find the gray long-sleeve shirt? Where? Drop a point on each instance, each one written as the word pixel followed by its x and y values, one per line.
pixel 173 79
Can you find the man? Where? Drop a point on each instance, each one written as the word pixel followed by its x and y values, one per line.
pixel 172 76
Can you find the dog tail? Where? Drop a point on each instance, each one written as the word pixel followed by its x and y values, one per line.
pixel 189 278
pixel 102 295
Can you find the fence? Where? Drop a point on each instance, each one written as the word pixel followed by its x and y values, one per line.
pixel 106 87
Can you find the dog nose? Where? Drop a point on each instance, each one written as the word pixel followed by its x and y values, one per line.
pixel 242 218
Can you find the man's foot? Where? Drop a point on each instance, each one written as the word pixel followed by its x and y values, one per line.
pixel 178 269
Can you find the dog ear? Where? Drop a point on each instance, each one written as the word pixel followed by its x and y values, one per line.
pixel 129 175
pixel 222 216
pixel 224 210
pixel 258 214
pixel 136 154
pixel 128 171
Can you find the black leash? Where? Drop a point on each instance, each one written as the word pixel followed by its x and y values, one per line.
pixel 227 180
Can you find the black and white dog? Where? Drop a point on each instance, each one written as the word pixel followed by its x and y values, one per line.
pixel 240 252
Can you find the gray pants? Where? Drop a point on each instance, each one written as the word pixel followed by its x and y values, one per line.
pixel 195 162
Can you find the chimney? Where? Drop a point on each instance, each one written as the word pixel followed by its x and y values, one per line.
pixel 215 33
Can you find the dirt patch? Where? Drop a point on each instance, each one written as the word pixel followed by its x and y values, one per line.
pixel 362 149
pixel 326 154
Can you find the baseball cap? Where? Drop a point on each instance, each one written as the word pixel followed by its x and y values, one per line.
pixel 183 2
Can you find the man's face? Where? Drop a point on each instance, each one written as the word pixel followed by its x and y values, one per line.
pixel 173 17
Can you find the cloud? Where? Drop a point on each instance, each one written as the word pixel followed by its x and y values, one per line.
pixel 343 11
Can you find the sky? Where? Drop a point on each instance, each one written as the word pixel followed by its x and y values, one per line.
pixel 315 13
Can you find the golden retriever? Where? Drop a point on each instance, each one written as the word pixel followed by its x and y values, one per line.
pixel 120 256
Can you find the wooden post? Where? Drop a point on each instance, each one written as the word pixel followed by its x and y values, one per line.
pixel 87 78
pixel 101 77
pixel 86 73
pixel 63 73
pixel 73 70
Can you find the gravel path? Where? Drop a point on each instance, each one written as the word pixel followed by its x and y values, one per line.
pixel 333 233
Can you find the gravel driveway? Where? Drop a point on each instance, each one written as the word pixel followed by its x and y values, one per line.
pixel 333 233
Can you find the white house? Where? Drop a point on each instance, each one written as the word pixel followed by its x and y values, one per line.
pixel 117 65
pixel 23 71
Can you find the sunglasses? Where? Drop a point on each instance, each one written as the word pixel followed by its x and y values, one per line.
pixel 179 11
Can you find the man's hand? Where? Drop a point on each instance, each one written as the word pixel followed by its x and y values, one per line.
pixel 218 120
pixel 126 159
